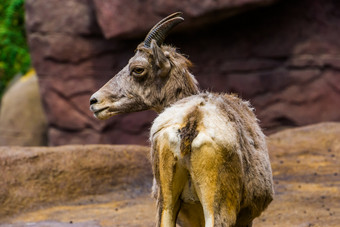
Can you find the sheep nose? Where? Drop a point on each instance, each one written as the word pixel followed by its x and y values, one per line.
pixel 93 100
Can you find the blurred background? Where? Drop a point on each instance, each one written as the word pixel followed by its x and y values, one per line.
pixel 283 56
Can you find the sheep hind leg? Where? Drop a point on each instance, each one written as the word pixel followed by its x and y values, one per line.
pixel 215 176
pixel 170 178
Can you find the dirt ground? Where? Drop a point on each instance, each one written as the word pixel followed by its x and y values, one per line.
pixel 306 168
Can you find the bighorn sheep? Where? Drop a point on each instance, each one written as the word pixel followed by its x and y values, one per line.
pixel 208 153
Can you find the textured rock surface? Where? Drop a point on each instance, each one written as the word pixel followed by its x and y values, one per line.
pixel 35 176
pixel 283 57
pixel 305 164
pixel 117 19
pixel 22 118
pixel 306 169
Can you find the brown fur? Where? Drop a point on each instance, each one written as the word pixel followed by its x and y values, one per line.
pixel 234 178
pixel 189 131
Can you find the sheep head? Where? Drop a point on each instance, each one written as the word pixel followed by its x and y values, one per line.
pixel 154 77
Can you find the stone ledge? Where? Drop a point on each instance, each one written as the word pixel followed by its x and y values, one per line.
pixel 305 165
pixel 33 177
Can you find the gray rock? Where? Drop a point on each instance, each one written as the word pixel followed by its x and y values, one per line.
pixel 22 118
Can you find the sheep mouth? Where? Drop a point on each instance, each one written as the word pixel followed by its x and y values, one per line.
pixel 101 113
pixel 99 110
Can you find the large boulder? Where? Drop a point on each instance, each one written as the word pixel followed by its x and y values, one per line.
pixel 101 185
pixel 280 55
pixel 22 118
pixel 33 177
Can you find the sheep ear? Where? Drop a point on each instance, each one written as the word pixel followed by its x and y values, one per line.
pixel 161 60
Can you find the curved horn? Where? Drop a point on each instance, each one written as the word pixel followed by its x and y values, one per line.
pixel 162 28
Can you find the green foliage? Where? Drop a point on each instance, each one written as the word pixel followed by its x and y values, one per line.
pixel 14 54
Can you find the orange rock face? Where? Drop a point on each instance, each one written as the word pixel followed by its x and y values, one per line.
pixel 306 169
pixel 39 176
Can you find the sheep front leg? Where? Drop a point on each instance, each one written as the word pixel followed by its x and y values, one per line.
pixel 170 179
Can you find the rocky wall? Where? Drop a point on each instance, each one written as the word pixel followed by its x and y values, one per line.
pixel 283 56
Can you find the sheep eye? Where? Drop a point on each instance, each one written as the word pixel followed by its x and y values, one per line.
pixel 138 70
